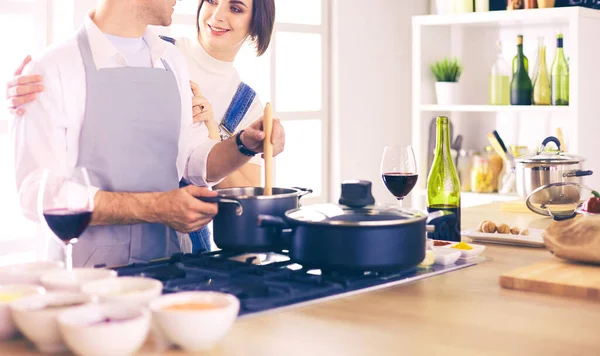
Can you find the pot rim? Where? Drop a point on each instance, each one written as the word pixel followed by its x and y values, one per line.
pixel 417 218
pixel 549 161
pixel 294 192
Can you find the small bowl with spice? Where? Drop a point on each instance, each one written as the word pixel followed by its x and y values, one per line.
pixel 194 321
pixel 105 329
pixel 468 251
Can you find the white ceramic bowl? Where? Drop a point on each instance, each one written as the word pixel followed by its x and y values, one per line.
pixel 86 331
pixel 37 320
pixel 446 256
pixel 195 330
pixel 63 280
pixel 135 290
pixel 27 273
pixel 8 294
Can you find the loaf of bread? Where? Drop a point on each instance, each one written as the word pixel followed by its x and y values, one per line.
pixel 575 239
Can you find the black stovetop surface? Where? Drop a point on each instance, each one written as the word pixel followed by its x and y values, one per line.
pixel 275 282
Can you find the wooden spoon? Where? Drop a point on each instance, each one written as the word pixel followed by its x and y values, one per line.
pixel 268 149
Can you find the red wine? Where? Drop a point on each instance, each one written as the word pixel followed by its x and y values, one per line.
pixel 67 224
pixel 447 229
pixel 399 184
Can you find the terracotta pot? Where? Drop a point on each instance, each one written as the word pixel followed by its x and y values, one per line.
pixel 543 4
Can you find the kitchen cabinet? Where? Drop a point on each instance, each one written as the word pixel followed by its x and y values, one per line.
pixel 472 38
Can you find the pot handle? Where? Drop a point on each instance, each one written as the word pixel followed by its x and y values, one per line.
pixel 546 141
pixel 437 216
pixel 577 173
pixel 217 199
pixel 303 191
pixel 284 228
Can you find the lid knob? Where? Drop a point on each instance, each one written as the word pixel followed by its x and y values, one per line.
pixel 356 193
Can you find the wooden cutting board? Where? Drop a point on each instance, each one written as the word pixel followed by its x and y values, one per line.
pixel 556 277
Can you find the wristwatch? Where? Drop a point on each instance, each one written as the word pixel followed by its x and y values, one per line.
pixel 243 149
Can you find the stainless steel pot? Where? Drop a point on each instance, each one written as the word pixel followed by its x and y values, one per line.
pixel 235 225
pixel 547 167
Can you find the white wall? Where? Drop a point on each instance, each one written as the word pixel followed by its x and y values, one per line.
pixel 371 98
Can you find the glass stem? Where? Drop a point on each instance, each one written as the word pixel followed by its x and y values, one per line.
pixel 400 200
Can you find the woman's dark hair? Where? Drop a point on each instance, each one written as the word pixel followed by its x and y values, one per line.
pixel 261 24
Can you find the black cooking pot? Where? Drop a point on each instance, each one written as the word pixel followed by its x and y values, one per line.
pixel 235 225
pixel 355 235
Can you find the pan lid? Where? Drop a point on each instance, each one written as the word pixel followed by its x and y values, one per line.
pixel 357 208
pixel 560 200
pixel 546 156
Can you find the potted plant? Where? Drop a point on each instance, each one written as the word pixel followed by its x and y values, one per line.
pixel 446 73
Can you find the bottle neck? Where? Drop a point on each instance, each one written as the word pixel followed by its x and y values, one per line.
pixel 520 57
pixel 443 140
pixel 542 55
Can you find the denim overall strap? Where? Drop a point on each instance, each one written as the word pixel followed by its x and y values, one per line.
pixel 235 113
pixel 200 238
pixel 237 110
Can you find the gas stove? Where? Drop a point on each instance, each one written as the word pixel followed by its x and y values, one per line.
pixel 269 281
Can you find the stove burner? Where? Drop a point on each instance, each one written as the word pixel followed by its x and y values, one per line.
pixel 274 282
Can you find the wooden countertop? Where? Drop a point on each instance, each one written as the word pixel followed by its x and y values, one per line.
pixel 459 313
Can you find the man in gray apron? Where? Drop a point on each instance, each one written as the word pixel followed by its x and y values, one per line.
pixel 122 101
pixel 130 142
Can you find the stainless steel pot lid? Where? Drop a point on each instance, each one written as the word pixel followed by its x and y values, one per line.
pixel 558 200
pixel 546 156
pixel 339 215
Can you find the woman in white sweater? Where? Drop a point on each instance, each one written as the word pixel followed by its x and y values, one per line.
pixel 221 100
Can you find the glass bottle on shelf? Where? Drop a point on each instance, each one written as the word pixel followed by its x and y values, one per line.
pixel 496 164
pixel 481 175
pixel 515 61
pixel 461 6
pixel 499 91
pixel 520 86
pixel 560 75
pixel 515 4
pixel 482 5
pixel 541 88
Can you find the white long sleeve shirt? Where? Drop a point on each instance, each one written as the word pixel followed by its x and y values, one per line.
pixel 218 81
pixel 47 136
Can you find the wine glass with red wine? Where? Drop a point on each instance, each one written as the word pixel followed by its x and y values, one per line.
pixel 66 203
pixel 399 170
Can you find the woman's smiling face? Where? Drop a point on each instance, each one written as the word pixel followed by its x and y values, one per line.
pixel 224 26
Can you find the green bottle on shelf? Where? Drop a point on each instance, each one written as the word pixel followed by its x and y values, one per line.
pixel 541 84
pixel 443 185
pixel 521 89
pixel 560 75
pixel 515 61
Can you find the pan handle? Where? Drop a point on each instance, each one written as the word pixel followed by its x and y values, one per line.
pixel 303 191
pixel 217 199
pixel 546 141
pixel 271 221
pixel 437 216
pixel 284 228
pixel 577 173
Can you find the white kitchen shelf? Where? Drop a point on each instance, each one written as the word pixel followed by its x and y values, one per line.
pixel 508 18
pixel 496 108
pixel 471 38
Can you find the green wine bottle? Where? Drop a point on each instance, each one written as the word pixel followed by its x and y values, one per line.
pixel 521 89
pixel 560 75
pixel 443 186
pixel 515 61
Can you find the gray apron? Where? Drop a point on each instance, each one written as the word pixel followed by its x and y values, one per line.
pixel 129 143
